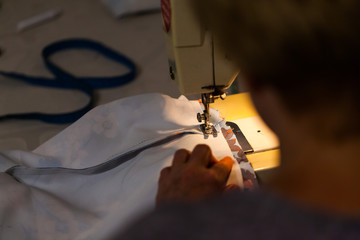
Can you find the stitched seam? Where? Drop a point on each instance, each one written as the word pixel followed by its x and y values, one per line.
pixel 153 139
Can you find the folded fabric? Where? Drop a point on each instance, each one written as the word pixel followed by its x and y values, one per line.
pixel 248 174
pixel 96 176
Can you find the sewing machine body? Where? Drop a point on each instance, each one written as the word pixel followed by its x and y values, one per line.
pixel 195 61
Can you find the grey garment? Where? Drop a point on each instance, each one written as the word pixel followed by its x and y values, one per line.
pixel 258 215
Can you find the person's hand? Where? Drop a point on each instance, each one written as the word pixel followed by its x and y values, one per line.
pixel 193 176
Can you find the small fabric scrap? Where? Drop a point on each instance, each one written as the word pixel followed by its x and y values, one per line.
pixel 121 8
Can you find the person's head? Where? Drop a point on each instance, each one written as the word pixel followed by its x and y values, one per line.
pixel 307 51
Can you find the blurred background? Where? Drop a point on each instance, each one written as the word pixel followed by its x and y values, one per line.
pixel 138 36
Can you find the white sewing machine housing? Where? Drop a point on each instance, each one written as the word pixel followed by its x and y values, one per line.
pixel 195 61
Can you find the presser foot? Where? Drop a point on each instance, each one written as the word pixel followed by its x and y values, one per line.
pixel 208 130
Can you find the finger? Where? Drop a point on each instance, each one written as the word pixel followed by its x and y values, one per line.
pixel 164 173
pixel 223 168
pixel 181 156
pixel 232 188
pixel 201 155
pixel 213 161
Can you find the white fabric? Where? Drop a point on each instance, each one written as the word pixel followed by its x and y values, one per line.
pixel 72 206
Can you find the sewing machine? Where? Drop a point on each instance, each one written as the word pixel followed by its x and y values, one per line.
pixel 195 61
pixel 199 66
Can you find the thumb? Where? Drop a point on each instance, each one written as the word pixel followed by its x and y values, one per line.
pixel 223 168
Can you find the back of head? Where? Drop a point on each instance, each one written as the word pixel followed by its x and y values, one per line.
pixel 307 50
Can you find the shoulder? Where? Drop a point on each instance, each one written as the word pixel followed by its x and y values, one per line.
pixel 238 215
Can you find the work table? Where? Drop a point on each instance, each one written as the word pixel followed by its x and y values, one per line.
pixel 239 106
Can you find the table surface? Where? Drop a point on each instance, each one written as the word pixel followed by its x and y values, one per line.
pixel 239 106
